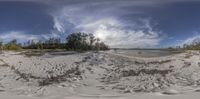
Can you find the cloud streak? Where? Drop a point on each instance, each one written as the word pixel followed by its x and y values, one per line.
pixel 191 40
pixel 109 28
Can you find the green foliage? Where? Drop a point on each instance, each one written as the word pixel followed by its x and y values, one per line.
pixel 195 45
pixel 103 46
pixel 51 43
pixel 83 42
pixel 76 41
pixel 12 45
pixel 192 46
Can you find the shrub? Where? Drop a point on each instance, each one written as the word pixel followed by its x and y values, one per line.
pixel 11 47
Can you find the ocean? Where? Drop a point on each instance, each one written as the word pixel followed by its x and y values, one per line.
pixel 146 53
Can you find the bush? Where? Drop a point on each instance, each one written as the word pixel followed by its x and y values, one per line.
pixel 11 47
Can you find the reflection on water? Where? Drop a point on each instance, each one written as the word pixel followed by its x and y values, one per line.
pixel 146 53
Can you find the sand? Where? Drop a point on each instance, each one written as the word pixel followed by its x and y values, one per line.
pixel 104 75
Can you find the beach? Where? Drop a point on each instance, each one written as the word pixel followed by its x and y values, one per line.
pixel 102 75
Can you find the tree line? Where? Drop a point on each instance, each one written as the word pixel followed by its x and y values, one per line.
pixel 75 41
pixel 191 46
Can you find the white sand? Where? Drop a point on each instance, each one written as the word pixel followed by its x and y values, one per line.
pixel 102 75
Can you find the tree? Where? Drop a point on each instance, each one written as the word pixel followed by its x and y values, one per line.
pixel 97 45
pixel 14 41
pixel 1 45
pixel 103 46
pixel 92 40
pixel 83 41
pixel 77 41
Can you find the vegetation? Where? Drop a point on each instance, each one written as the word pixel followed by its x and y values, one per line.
pixel 12 45
pixel 192 46
pixel 75 41
pixel 51 43
pixel 84 42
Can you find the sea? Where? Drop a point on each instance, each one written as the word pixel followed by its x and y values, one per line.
pixel 145 52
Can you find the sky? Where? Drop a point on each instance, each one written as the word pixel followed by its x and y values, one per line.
pixel 118 23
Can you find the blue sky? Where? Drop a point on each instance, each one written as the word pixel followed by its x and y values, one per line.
pixel 119 23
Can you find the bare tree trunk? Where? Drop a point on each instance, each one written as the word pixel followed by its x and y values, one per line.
pixel 98 47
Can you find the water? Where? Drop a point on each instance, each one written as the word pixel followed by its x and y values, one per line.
pixel 146 53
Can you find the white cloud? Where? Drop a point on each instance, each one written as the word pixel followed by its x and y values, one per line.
pixel 19 35
pixel 58 25
pixel 23 37
pixel 191 40
pixel 113 33
pixel 109 29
